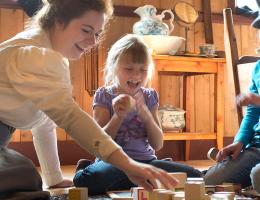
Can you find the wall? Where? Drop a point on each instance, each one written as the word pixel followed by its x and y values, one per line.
pixel 12 21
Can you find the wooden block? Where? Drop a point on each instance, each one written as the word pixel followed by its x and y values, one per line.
pixel 237 187
pixel 165 195
pixel 195 179
pixel 182 177
pixel 225 188
pixel 194 190
pixel 154 194
pixel 138 193
pixel 210 189
pixel 79 193
pixel 212 153
pixel 120 195
pixel 206 197
pixel 178 196
pixel 219 196
pixel 230 195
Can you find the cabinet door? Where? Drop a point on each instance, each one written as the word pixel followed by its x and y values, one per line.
pixel 11 22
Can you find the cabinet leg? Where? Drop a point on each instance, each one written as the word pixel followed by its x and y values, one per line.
pixel 187 150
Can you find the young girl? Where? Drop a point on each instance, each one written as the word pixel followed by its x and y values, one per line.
pixel 240 160
pixel 36 92
pixel 128 112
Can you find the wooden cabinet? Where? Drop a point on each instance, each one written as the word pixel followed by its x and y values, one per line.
pixel 192 66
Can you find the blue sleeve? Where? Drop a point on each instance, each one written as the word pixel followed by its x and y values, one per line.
pixel 251 118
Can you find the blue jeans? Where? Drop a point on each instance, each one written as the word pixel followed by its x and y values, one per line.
pixel 5 134
pixel 101 177
pixel 235 171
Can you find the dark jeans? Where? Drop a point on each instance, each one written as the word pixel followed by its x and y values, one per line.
pixel 5 134
pixel 101 177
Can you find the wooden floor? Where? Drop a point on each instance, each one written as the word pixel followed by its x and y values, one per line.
pixel 68 171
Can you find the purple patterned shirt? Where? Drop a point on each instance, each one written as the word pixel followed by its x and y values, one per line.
pixel 132 135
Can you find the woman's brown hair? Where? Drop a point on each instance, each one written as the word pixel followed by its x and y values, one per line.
pixel 65 10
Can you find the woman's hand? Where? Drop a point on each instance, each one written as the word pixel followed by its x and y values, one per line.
pixel 232 150
pixel 146 176
pixel 143 175
pixel 143 111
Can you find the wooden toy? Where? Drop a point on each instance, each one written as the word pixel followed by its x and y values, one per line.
pixel 236 186
pixel 138 193
pixel 78 193
pixel 210 189
pixel 195 179
pixel 178 196
pixel 222 196
pixel 225 188
pixel 120 195
pixel 154 194
pixel 212 153
pixel 194 190
pixel 182 177
pixel 165 195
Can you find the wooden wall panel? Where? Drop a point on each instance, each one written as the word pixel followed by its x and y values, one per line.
pixel 11 22
pixel 200 87
pixel 202 103
pixel 170 90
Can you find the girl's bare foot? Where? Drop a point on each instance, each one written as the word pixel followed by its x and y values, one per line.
pixel 63 184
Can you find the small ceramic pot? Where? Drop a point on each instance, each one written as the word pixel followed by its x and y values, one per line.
pixel 172 119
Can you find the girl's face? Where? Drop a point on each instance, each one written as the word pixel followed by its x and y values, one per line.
pixel 131 76
pixel 79 35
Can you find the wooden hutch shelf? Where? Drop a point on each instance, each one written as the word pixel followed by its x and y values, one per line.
pixel 191 66
pixel 189 136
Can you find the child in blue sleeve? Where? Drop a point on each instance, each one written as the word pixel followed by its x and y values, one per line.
pixel 239 161
pixel 128 112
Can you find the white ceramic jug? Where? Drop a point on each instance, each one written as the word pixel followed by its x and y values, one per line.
pixel 152 24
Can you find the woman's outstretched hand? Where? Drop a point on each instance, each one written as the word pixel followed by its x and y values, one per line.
pixel 143 175
pixel 146 176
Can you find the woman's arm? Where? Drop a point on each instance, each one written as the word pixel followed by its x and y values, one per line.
pixel 141 174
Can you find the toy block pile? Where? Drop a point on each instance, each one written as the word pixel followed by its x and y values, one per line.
pixel 186 189
pixel 191 189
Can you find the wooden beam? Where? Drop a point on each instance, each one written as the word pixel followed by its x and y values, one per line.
pixel 206 5
pixel 128 11
pixel 9 4
pixel 231 4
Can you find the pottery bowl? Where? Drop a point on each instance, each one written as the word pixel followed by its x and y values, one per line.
pixel 163 44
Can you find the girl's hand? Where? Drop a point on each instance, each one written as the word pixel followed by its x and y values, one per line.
pixel 143 111
pixel 146 176
pixel 246 99
pixel 122 105
pixel 232 150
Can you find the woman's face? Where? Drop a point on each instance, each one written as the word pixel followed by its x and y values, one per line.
pixel 79 35
pixel 131 76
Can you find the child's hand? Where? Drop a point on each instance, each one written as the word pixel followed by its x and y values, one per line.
pixel 143 111
pixel 122 105
pixel 246 99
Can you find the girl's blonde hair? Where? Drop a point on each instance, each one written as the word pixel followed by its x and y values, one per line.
pixel 128 45
pixel 65 10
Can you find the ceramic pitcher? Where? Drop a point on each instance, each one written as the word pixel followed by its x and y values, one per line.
pixel 152 24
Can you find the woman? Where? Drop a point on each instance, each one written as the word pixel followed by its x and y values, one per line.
pixel 35 89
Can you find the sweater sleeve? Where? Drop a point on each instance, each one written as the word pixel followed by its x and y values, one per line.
pixel 42 76
pixel 251 118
